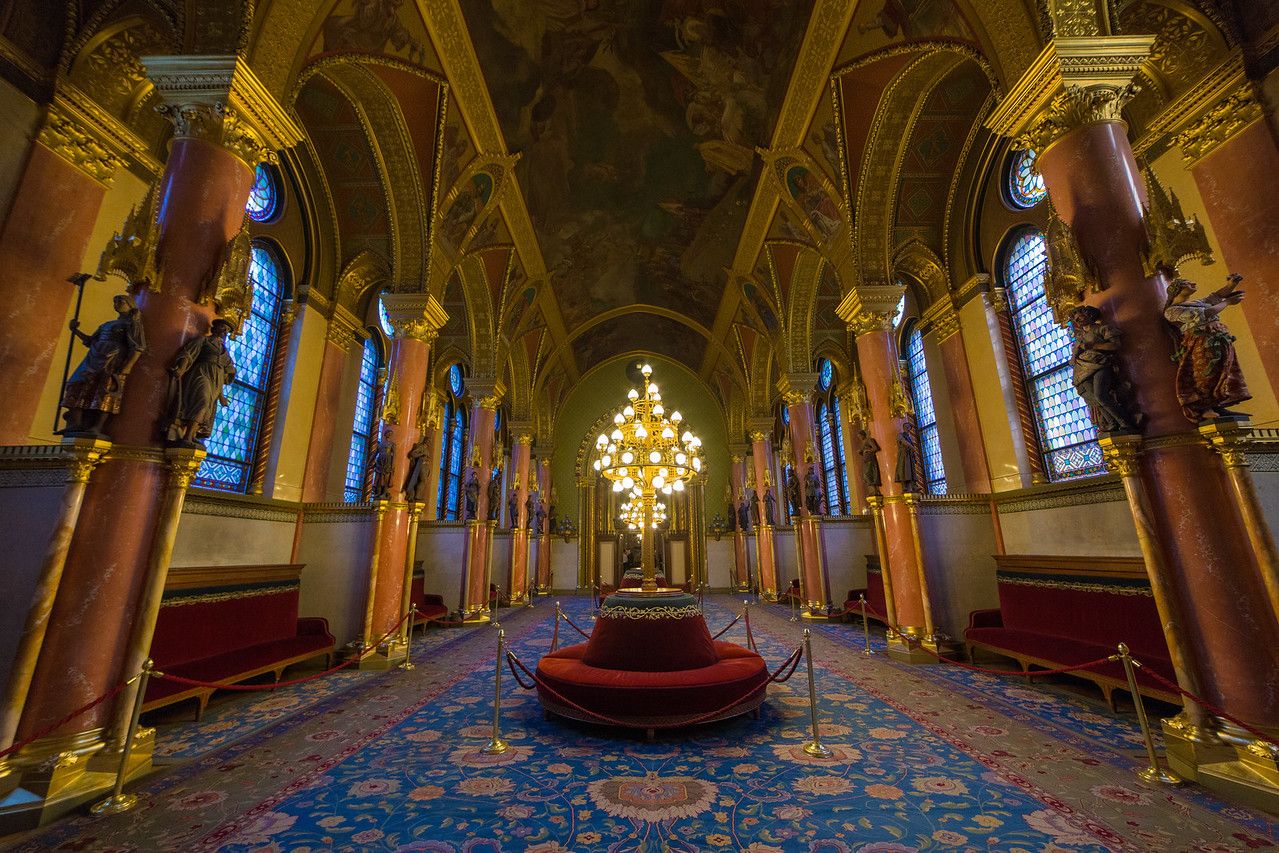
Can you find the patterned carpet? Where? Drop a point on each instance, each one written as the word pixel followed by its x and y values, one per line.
pixel 927 758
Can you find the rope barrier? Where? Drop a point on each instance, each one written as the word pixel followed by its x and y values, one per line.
pixel 750 637
pixel 83 709
pixel 573 625
pixel 1211 708
pixel 724 630
pixel 247 688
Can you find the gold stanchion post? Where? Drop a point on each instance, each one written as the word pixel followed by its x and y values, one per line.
pixel 815 747
pixel 1155 772
pixel 865 624
pixel 794 608
pixel 497 746
pixel 555 639
pixel 119 801
pixel 408 638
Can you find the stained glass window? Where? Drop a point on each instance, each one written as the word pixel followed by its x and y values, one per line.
pixel 921 393
pixel 825 374
pixel 455 380
pixel 384 319
pixel 1066 431
pixel 1025 185
pixel 357 460
pixel 264 196
pixel 452 447
pixel 234 441
pixel 830 441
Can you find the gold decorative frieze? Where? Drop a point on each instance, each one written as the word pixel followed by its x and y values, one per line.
pixel 942 319
pixel 416 316
pixel 342 326
pixel 1075 81
pixel 797 388
pixel 870 308
pixel 66 136
pixel 1235 111
pixel 220 99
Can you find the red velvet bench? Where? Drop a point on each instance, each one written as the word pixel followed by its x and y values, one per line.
pixel 1062 611
pixel 227 624
pixel 874 592
pixel 430 607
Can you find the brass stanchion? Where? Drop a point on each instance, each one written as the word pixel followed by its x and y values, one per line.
pixel 815 747
pixel 408 638
pixel 497 746
pixel 794 607
pixel 865 624
pixel 555 637
pixel 119 801
pixel 1155 772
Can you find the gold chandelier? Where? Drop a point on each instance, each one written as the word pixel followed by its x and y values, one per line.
pixel 631 513
pixel 646 454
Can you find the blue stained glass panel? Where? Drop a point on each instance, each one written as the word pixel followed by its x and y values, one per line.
pixel 825 374
pixel 1065 428
pixel 1025 185
pixel 455 380
pixel 842 479
pixel 921 393
pixel 264 195
pixel 357 461
pixel 827 446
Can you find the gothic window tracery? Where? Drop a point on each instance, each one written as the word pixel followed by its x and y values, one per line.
pixel 264 196
pixel 1025 185
pixel 355 485
pixel 830 440
pixel 452 449
pixel 921 393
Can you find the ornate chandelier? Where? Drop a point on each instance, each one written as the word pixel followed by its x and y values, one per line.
pixel 631 513
pixel 646 454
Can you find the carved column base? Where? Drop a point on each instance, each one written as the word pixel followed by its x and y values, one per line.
pixel 904 651
pixel 1246 771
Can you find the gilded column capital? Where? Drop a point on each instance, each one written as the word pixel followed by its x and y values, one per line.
pixel 221 100
pixel 871 308
pixel 1077 80
pixel 1121 454
pixel 486 392
pixel 182 464
pixel 976 284
pixel 996 299
pixel 523 432
pixel 942 318
pixel 758 435
pixel 67 135
pixel 738 450
pixel 342 328
pixel 797 388
pixel 415 316
pixel 1229 439
pixel 83 455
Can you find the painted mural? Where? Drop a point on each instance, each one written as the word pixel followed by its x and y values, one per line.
pixel 636 121
pixel 880 23
pixel 650 332
pixel 376 26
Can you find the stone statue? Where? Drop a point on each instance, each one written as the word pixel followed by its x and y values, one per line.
pixel 541 518
pixel 869 452
pixel 1094 360
pixel 744 515
pixel 513 508
pixel 198 374
pixel 471 495
pixel 415 480
pixel 906 461
pixel 94 390
pixel 552 522
pixel 813 489
pixel 755 516
pixel 495 495
pixel 530 509
pixel 770 507
pixel 1208 375
pixel 383 465
pixel 732 518
pixel 792 491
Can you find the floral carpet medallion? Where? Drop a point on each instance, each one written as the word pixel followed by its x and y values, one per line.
pixel 923 759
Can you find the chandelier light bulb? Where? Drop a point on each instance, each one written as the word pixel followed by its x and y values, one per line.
pixel 640 432
pixel 601 441
pixel 647 370
pixel 659 481
pixel 668 434
pixel 655 457
pixel 617 419
pixel 627 483
pixel 659 410
pixel 681 458
pixel 617 486
pixel 686 437
pixel 679 485
pixel 676 417
pixel 697 464
pixel 666 490
pixel 606 460
pixel 652 389
pixel 597 464
pixel 628 412
pixel 622 471
pixel 617 433
pixel 632 394
pixel 628 457
pixel 697 442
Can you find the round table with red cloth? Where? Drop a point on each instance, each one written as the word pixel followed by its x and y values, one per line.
pixel 651 663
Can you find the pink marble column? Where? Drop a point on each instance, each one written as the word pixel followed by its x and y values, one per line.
pixel 546 534
pixel 799 403
pixel 43 241
pixel 765 543
pixel 737 487
pixel 475 584
pixel 520 457
pixel 1214 575
pixel 203 193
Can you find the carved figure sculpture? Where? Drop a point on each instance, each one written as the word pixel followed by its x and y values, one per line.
pixel 1095 365
pixel 541 518
pixel 1208 375
pixel 770 507
pixel 415 480
pixel 755 515
pixel 906 474
pixel 383 466
pixel 744 515
pixel 513 508
pixel 732 518
pixel 199 372
pixel 94 390
pixel 792 491
pixel 813 489
pixel 471 495
pixel 495 495
pixel 869 452
pixel 530 510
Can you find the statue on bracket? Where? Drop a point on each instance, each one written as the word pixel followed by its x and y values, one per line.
pixel 415 480
pixel 869 452
pixel 770 506
pixel 94 390
pixel 906 474
pixel 513 508
pixel 540 518
pixel 1094 361
pixel 383 466
pixel 1208 375
pixel 530 510
pixel 813 490
pixel 201 369
pixel 495 494
pixel 471 495
pixel 744 515
pixel 756 518
pixel 792 491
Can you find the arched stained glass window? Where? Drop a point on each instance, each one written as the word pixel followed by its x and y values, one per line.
pixel 264 195
pixel 1066 432
pixel 1025 185
pixel 354 487
pixel 921 393
pixel 830 441
pixel 452 448
pixel 234 441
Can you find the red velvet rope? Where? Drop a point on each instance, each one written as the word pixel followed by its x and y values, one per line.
pixel 1208 706
pixel 248 688
pixel 573 624
pixel 110 694
pixel 513 661
pixel 723 630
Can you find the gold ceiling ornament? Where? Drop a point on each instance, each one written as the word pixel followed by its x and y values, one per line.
pixel 220 99
pixel 899 402
pixel 131 251
pixel 644 453
pixel 871 308
pixel 229 287
pixel 1070 275
pixel 1221 122
pixel 342 327
pixel 942 318
pixel 1172 238
pixel 65 135
pixel 414 316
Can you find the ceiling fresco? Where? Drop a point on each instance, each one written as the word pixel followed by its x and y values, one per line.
pixel 637 123
pixel 648 332
pixel 881 23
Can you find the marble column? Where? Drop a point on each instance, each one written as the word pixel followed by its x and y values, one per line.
pixel 546 535
pixel 587 570
pixel 43 241
pixel 765 542
pixel 797 391
pixel 485 397
pixel 1213 575
pixel 737 488
pixel 117 558
pixel 963 403
pixel 853 405
pixel 339 338
pixel 521 453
